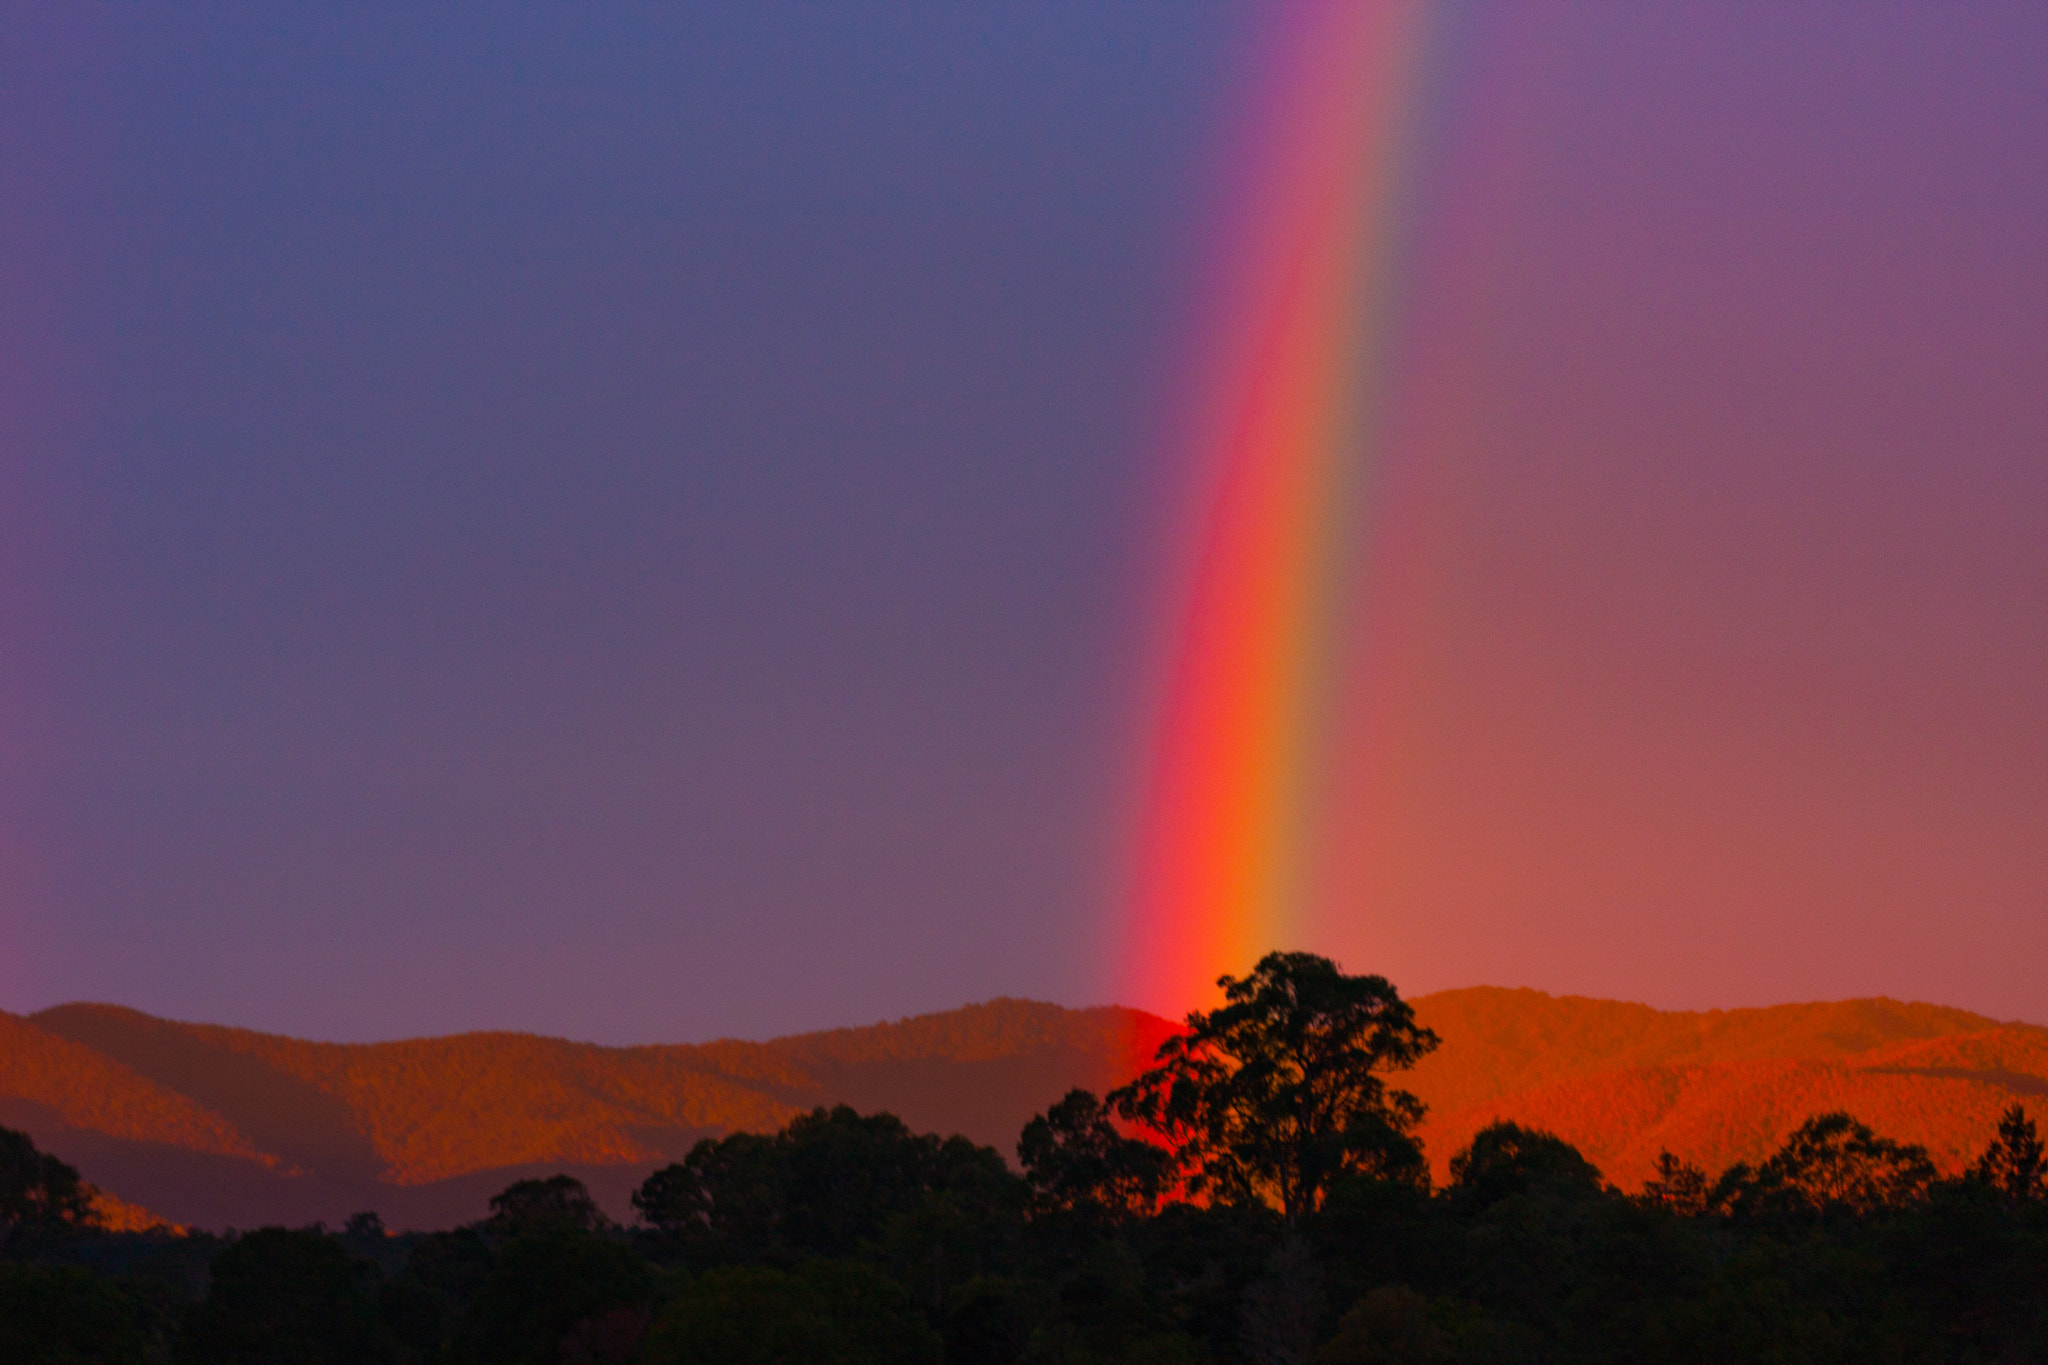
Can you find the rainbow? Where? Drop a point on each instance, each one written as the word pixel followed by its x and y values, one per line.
pixel 1290 448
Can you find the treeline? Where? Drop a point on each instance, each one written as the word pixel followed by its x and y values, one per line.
pixel 1258 1196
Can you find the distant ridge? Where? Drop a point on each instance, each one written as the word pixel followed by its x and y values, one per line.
pixel 212 1126
pixel 1623 1081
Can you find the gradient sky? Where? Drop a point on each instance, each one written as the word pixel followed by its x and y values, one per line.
pixel 656 524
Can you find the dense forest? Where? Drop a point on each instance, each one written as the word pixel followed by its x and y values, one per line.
pixel 1259 1194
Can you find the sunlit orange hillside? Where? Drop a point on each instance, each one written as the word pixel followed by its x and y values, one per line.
pixel 1623 1081
pixel 219 1127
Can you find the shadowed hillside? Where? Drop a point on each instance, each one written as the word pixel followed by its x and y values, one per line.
pixel 215 1126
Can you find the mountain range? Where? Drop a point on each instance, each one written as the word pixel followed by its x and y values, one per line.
pixel 210 1126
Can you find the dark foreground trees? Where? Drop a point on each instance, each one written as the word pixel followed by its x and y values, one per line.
pixel 282 1296
pixel 1832 1165
pixel 848 1239
pixel 63 1315
pixel 831 1183
pixel 1526 1256
pixel 821 1312
pixel 557 1292
pixel 1077 1162
pixel 40 1196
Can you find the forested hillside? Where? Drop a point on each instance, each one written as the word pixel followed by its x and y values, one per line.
pixel 213 1126
pixel 1622 1081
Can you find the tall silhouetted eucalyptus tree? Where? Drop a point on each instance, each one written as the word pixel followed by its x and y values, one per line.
pixel 2013 1164
pixel 1280 1093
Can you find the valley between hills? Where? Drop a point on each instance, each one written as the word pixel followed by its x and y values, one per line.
pixel 215 1127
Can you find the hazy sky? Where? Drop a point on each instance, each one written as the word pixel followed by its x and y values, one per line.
pixel 650 524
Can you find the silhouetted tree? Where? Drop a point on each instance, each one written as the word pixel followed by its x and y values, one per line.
pixel 1279 1093
pixel 846 1175
pixel 1506 1159
pixel 1830 1165
pixel 726 1192
pixel 2013 1163
pixel 1076 1161
pixel 825 1185
pixel 558 1203
pixel 1678 1187
pixel 367 1226
pixel 39 1194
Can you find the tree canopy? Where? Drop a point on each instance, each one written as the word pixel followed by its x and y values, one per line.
pixel 38 1192
pixel 283 1296
pixel 831 1181
pixel 559 1203
pixel 1506 1159
pixel 1678 1187
pixel 1831 1165
pixel 2013 1164
pixel 554 1285
pixel 62 1315
pixel 1280 1092
pixel 1077 1162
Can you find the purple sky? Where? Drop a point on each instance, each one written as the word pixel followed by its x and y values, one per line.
pixel 648 525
